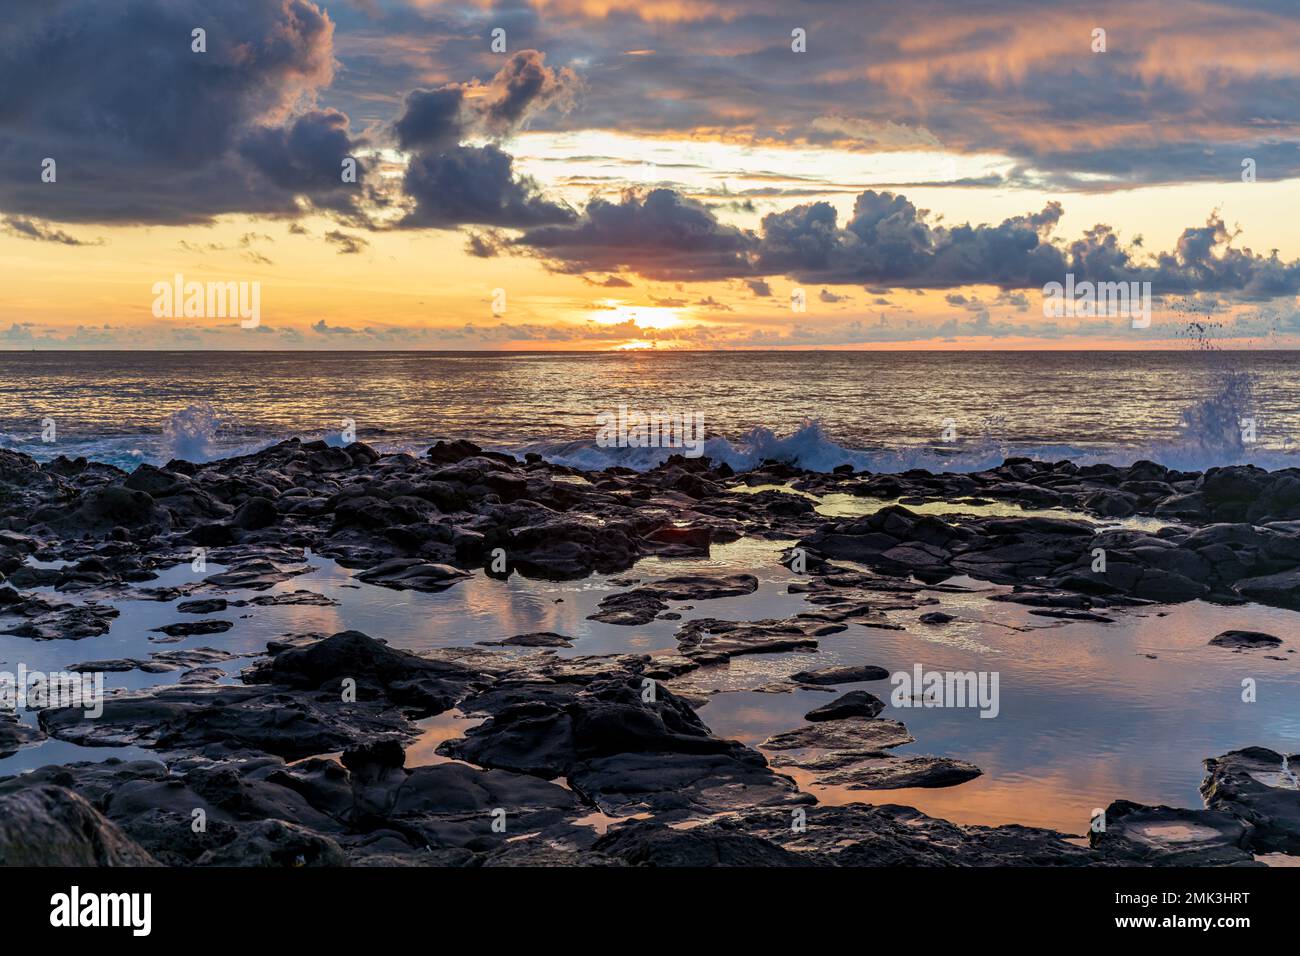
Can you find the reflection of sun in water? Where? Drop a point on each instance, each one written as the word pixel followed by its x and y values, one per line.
pixel 642 316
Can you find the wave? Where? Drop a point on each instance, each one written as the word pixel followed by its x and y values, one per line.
pixel 1211 432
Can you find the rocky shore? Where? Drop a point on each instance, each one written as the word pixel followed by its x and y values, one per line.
pixel 587 760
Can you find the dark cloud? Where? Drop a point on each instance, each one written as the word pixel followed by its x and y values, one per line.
pixel 523 88
pixel 1183 93
pixel 452 184
pixel 431 119
pixel 659 235
pixel 474 185
pixel 306 158
pixel 143 129
pixel 888 243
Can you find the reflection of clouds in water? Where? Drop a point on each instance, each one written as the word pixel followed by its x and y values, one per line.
pixel 1086 717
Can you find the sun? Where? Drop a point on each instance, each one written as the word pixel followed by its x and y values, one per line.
pixel 642 316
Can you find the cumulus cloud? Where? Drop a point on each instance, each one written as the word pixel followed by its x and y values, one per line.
pixel 307 158
pixel 141 128
pixel 475 185
pixel 451 184
pixel 887 242
pixel 660 235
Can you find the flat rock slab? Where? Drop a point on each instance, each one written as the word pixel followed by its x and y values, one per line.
pixel 1173 836
pixel 841 675
pixel 46 621
pixel 191 628
pixel 711 641
pixel 675 785
pixel 895 773
pixel 642 605
pixel 850 734
pixel 1263 787
pixel 254 576
pixel 186 718
pixel 532 639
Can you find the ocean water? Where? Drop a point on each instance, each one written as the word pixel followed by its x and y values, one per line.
pixel 886 411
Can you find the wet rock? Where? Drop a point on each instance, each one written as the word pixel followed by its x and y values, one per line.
pixel 15 735
pixel 547 728
pixel 256 575
pixel 276 843
pixel 255 513
pixel 44 620
pixel 848 674
pixel 856 703
pixel 532 639
pixel 1243 640
pixel 1279 590
pixel 188 718
pixel 298 598
pixel 641 605
pixel 653 844
pixel 380 673
pixel 936 617
pixel 202 606
pixel 413 574
pixel 1260 786
pixel 858 835
pixel 677 785
pixel 889 772
pixel 191 628
pixel 52 826
pixel 1069 615
pixel 850 734
pixel 103 509
pixel 708 640
pixel 1169 836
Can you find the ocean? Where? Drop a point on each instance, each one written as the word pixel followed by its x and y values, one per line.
pixel 883 411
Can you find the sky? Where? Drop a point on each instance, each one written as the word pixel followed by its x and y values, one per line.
pixel 631 174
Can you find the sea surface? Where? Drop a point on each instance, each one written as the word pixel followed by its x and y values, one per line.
pixel 1089 712
pixel 886 411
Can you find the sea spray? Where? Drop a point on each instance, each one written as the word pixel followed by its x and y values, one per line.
pixel 189 434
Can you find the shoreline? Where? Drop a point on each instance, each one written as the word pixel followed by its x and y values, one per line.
pixel 566 737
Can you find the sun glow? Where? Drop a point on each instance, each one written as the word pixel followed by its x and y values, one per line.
pixel 642 316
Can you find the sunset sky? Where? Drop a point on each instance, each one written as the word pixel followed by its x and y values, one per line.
pixel 648 173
